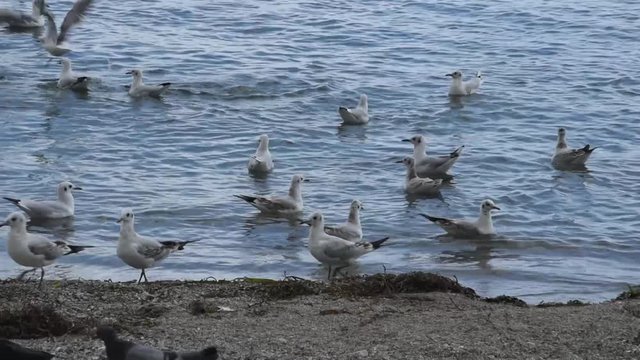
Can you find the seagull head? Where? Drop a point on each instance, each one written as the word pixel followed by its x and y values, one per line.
pixel 455 75
pixel 15 220
pixel 316 221
pixel 356 205
pixel 298 179
pixel 106 333
pixel 66 63
pixel 417 140
pixel 488 205
pixel 263 141
pixel 407 161
pixel 65 188
pixel 126 216
pixel 137 74
pixel 562 132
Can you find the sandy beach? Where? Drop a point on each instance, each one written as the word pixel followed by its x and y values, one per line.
pixel 406 316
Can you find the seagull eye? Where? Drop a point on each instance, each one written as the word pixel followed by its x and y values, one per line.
pixel 14 219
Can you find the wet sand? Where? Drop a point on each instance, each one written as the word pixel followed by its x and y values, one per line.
pixel 409 316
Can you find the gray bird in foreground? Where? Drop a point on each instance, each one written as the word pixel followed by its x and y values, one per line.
pixel 12 351
pixel 118 349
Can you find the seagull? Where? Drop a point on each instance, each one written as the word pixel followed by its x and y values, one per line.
pixel 334 251
pixel 261 161
pixel 351 230
pixel 118 349
pixel 21 20
pixel 415 185
pixel 463 228
pixel 432 167
pixel 358 115
pixel 142 252
pixel 292 203
pixel 139 89
pixel 565 157
pixel 33 250
pixel 12 351
pixel 70 81
pixel 53 42
pixel 46 210
pixel 462 88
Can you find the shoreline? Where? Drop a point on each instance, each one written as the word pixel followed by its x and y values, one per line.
pixel 382 316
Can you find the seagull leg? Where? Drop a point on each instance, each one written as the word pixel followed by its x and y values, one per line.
pixel 141 273
pixel 329 275
pixel 41 277
pixel 145 276
pixel 22 274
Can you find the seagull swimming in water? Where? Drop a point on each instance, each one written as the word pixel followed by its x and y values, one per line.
pixel 434 167
pixel 142 252
pixel 358 115
pixel 33 250
pixel 334 251
pixel 139 89
pixel 47 210
pixel 261 161
pixel 53 41
pixel 351 230
pixel 415 185
pixel 289 204
pixel 566 157
pixel 462 88
pixel 483 226
pixel 22 20
pixel 68 80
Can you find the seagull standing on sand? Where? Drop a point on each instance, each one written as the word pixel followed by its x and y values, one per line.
pixel 566 157
pixel 291 203
pixel 358 115
pixel 21 20
pixel 351 230
pixel 334 251
pixel 464 228
pixel 46 210
pixel 415 185
pixel 33 250
pixel 436 167
pixel 55 43
pixel 462 88
pixel 118 349
pixel 142 252
pixel 139 89
pixel 68 80
pixel 261 161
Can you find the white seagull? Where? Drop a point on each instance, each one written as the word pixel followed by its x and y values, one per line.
pixel 291 203
pixel 21 20
pixel 68 80
pixel 415 185
pixel 53 41
pixel 566 157
pixel 261 161
pixel 33 250
pixel 142 252
pixel 462 88
pixel 358 115
pixel 334 251
pixel 435 167
pixel 139 89
pixel 46 210
pixel 483 226
pixel 351 230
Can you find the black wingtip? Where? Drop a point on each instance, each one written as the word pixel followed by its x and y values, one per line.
pixel 165 84
pixel 15 201
pixel 249 199
pixel 430 218
pixel 210 353
pixel 456 153
pixel 376 244
pixel 588 149
pixel 77 248
pixel 182 244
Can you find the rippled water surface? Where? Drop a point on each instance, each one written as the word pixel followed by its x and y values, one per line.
pixel 282 68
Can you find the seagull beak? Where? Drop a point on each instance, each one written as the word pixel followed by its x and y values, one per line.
pixel 306 180
pixel 399 161
pixel 306 222
pixel 448 75
pixel 406 140
pixel 119 221
pixel 77 188
pixel 129 72
pixel 4 223
pixel 495 207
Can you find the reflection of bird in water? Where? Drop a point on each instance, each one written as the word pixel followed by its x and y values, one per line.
pixel 480 255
